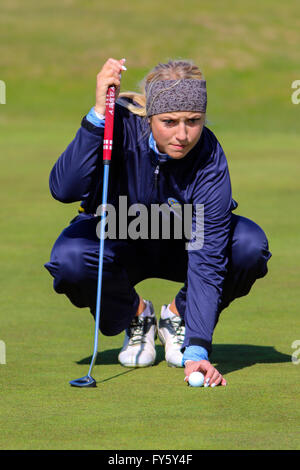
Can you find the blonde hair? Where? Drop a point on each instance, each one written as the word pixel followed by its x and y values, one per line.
pixel 172 70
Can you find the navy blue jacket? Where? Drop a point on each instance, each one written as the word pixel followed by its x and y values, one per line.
pixel 201 177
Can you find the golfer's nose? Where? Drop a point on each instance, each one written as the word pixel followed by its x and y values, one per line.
pixel 181 134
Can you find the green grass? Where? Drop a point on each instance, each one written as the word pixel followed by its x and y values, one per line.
pixel 50 54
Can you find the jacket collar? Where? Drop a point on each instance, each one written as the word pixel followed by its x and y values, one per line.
pixel 158 158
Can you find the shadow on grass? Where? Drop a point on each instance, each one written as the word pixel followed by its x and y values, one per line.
pixel 226 357
pixel 110 356
pixel 231 357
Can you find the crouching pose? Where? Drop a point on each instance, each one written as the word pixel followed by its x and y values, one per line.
pixel 172 218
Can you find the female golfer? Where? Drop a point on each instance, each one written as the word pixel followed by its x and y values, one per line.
pixel 167 166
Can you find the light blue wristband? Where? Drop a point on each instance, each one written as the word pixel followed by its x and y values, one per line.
pixel 194 353
pixel 94 119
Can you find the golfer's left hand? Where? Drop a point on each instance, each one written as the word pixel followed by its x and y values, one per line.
pixel 212 376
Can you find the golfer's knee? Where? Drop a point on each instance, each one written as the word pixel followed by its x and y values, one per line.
pixel 251 247
pixel 69 261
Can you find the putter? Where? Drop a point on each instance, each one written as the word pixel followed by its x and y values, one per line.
pixel 88 380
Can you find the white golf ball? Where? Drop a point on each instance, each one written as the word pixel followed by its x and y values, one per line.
pixel 196 379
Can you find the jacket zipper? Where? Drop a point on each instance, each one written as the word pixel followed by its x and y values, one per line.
pixel 156 174
pixel 154 185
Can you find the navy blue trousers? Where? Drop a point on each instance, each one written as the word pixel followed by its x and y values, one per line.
pixel 75 257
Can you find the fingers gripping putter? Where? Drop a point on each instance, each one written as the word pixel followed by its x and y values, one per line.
pixel 88 380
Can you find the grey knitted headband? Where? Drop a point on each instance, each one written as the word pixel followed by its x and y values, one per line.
pixel 165 96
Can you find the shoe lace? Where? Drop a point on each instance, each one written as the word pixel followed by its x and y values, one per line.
pixel 137 331
pixel 179 330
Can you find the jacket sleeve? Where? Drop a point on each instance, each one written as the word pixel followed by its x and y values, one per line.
pixel 72 175
pixel 207 259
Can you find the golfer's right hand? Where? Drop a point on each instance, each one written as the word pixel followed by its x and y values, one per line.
pixel 212 376
pixel 109 75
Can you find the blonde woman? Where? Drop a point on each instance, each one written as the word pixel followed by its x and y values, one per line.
pixel 163 157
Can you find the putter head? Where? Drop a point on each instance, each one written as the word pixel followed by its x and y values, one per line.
pixel 86 381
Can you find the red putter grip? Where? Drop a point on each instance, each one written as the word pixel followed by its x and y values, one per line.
pixel 109 124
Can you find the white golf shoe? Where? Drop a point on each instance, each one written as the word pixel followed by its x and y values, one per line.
pixel 171 333
pixel 139 343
